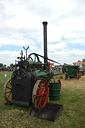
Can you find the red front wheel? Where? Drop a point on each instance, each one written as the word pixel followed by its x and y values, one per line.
pixel 7 91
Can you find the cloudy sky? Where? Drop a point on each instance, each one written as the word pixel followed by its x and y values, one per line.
pixel 21 25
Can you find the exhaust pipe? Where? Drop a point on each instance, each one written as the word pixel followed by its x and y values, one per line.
pixel 45 40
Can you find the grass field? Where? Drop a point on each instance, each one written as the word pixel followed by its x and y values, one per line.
pixel 72 116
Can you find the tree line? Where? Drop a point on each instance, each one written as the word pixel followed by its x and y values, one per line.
pixel 1 65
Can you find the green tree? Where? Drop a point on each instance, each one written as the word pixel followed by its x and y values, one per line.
pixel 11 65
pixel 1 64
pixel 4 65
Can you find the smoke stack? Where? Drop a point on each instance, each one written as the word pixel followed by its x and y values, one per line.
pixel 45 40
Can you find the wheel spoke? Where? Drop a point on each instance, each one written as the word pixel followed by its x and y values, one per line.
pixel 8 92
pixel 38 95
pixel 40 102
pixel 9 95
pixel 43 89
pixel 8 87
pixel 38 91
pixel 40 85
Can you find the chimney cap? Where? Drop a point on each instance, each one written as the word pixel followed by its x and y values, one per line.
pixel 45 23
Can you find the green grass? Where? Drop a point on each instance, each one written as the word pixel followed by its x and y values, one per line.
pixel 72 98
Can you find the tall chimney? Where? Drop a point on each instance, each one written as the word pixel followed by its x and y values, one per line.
pixel 45 40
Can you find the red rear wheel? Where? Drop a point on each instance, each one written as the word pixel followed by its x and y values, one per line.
pixel 7 91
pixel 59 84
pixel 40 94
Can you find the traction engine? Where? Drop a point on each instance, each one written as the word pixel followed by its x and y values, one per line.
pixel 29 83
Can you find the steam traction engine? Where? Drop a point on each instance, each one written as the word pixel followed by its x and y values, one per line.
pixel 29 82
